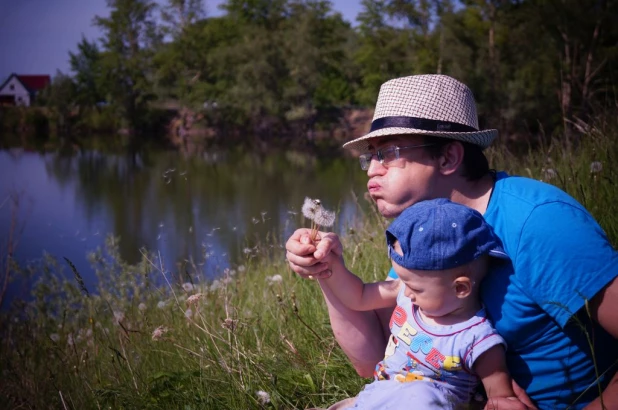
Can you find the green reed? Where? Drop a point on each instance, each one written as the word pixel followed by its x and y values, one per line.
pixel 257 337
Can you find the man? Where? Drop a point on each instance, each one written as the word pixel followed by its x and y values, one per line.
pixel 556 304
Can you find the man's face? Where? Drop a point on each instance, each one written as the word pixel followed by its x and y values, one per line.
pixel 401 183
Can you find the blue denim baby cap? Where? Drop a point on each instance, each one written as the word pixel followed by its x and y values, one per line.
pixel 439 234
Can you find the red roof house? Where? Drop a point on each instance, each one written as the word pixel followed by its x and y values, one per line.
pixel 22 89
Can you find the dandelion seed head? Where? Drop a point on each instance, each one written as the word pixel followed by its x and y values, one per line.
pixel 241 268
pixel 310 207
pixel 188 313
pixel 161 304
pixel 596 167
pixel 549 174
pixel 262 397
pixel 187 286
pixel 141 307
pixel 274 279
pixel 55 337
pixel 216 284
pixel 324 217
pixel 70 340
pixel 118 316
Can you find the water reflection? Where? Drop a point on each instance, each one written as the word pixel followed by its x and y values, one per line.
pixel 218 205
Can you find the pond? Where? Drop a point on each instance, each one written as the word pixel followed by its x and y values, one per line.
pixel 213 208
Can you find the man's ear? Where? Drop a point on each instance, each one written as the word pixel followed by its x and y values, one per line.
pixel 462 286
pixel 451 158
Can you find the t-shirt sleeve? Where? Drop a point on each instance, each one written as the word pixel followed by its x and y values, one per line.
pixel 563 259
pixel 482 343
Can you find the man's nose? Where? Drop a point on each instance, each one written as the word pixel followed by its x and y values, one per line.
pixel 375 167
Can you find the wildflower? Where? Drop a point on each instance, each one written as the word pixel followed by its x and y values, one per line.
pixel 596 167
pixel 118 316
pixel 263 397
pixel 161 304
pixel 159 332
pixel 313 210
pixel 142 307
pixel 188 287
pixel 188 313
pixel 55 337
pixel 229 324
pixel 549 174
pixel 194 298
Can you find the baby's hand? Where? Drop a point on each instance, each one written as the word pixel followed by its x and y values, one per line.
pixel 505 403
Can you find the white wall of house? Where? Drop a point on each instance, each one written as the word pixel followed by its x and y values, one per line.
pixel 15 88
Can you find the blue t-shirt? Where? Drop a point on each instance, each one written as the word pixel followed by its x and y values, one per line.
pixel 560 258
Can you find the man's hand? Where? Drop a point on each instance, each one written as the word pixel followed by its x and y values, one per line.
pixel 313 260
pixel 505 403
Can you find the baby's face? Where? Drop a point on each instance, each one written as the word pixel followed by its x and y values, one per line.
pixel 432 291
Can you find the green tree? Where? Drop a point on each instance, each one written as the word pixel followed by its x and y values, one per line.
pixel 61 98
pixel 87 73
pixel 315 54
pixel 382 52
pixel 130 35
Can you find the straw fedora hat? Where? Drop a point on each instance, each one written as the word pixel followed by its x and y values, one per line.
pixel 432 104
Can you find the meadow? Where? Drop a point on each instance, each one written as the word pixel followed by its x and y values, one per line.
pixel 257 337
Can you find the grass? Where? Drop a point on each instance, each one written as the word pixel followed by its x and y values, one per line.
pixel 258 337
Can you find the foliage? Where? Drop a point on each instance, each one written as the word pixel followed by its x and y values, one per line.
pixel 130 33
pixel 150 337
pixel 277 69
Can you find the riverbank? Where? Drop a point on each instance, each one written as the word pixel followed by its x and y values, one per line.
pixel 258 337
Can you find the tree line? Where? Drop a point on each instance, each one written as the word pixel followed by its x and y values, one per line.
pixel 279 68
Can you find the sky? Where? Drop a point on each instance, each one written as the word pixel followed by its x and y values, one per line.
pixel 37 35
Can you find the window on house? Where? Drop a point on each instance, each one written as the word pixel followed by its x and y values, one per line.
pixel 11 87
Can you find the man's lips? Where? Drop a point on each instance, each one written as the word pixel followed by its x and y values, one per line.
pixel 373 187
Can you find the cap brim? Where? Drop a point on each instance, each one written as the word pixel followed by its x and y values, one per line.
pixel 498 253
pixel 481 138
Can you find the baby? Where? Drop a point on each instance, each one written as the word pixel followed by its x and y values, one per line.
pixel 441 343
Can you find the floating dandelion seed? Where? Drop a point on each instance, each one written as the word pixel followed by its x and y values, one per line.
pixel 312 209
pixel 263 397
pixel 596 167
